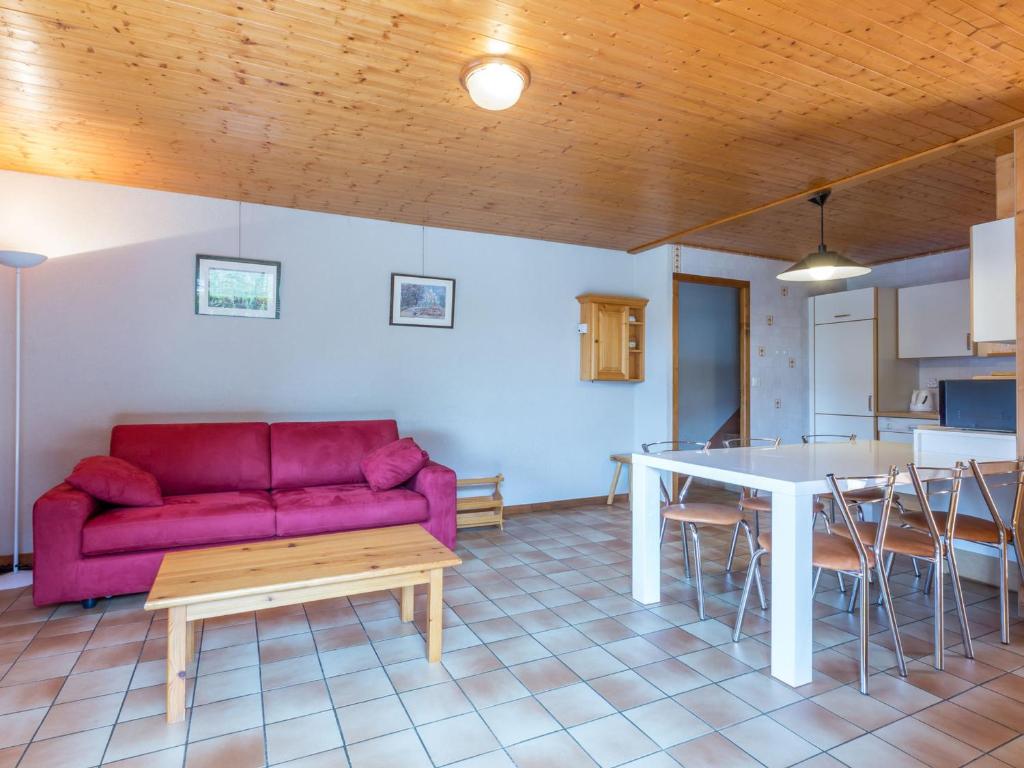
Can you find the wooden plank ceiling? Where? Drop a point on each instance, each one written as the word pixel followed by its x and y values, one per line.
pixel 643 118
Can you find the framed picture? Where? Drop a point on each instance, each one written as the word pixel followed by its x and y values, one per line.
pixel 238 287
pixel 424 301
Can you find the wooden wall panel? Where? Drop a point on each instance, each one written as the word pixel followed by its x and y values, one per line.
pixel 642 119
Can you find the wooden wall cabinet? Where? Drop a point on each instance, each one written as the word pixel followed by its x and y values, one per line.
pixel 612 349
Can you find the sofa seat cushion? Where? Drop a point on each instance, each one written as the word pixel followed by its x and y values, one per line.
pixel 181 521
pixel 349 507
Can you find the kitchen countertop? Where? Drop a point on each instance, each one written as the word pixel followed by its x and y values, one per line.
pixel 931 415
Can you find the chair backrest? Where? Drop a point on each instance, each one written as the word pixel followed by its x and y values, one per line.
pixel 806 439
pixel 675 445
pixel 841 484
pixel 752 442
pixel 949 481
pixel 993 475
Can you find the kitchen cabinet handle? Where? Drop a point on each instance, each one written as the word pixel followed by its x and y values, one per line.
pixel 968 342
pixel 845 314
pixel 870 398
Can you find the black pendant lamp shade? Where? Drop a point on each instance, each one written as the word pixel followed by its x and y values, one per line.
pixel 823 264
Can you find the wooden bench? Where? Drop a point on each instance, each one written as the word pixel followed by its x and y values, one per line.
pixel 204 583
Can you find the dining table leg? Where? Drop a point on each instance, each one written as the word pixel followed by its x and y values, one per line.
pixel 645 505
pixel 792 581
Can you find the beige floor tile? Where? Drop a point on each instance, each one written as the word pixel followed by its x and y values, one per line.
pixel 296 701
pixel 244 749
pixel 290 739
pixel 932 747
pixel 18 727
pixel 148 734
pixel 816 724
pixel 612 740
pixel 76 750
pixel 165 758
pixel 18 698
pixel 667 723
pixel 965 725
pixel 556 749
pixel 371 719
pixel 767 741
pixel 80 716
pixel 227 716
pixel 425 705
pixel 716 706
pixel 102 682
pixel 869 751
pixel 519 720
pixel 397 749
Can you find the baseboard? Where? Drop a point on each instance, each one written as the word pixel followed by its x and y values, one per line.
pixel 984 569
pixel 7 560
pixel 551 506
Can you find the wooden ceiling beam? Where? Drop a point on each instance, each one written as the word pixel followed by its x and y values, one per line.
pixel 878 171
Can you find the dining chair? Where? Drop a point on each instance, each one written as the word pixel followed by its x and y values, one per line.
pixel 749 500
pixel 849 555
pixel 691 515
pixel 993 476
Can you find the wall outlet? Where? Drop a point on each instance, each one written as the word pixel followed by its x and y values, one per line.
pixel 582 328
pixel 784 290
pixel 932 383
pixel 755 382
pixel 792 363
pixel 778 403
pixel 771 319
pixel 761 352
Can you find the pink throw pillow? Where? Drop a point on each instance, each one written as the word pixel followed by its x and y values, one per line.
pixel 392 464
pixel 116 481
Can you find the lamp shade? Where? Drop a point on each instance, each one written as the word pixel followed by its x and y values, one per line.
pixel 823 264
pixel 21 259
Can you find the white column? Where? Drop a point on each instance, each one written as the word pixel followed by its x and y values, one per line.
pixel 791 614
pixel 645 505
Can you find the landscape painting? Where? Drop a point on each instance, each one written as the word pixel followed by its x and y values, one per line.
pixel 237 287
pixel 422 301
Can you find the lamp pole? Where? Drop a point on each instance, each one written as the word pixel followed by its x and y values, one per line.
pixel 19 260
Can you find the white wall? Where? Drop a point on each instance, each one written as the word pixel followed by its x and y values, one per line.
pixel 111 335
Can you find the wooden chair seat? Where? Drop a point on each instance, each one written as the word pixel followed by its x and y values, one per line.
pixel 764 504
pixel 902 541
pixel 830 552
pixel 968 527
pixel 706 514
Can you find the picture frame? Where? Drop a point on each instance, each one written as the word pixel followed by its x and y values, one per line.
pixel 421 301
pixel 228 286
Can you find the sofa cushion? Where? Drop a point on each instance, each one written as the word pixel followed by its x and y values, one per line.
pixel 198 458
pixel 393 464
pixel 349 507
pixel 311 453
pixel 115 481
pixel 181 521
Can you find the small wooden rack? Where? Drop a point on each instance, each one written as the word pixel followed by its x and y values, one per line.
pixel 475 511
pixel 612 348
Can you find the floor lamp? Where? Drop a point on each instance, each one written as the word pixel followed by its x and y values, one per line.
pixel 19 260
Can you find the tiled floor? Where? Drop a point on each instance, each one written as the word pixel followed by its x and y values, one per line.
pixel 548 662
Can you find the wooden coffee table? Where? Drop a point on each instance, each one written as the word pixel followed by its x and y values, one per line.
pixel 204 583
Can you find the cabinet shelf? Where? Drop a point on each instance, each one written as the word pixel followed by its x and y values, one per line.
pixel 605 354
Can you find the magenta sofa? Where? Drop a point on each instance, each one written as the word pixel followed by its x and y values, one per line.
pixel 225 483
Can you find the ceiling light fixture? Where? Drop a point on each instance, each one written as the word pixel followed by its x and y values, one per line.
pixel 495 82
pixel 823 264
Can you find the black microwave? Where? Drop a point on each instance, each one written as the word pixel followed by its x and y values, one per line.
pixel 983 404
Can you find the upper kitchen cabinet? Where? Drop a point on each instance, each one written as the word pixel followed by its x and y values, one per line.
pixel 844 307
pixel 935 320
pixel 993 282
pixel 611 338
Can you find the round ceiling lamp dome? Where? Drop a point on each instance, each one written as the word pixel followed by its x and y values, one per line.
pixel 495 82
pixel 823 264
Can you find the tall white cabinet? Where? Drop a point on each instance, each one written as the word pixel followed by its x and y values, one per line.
pixel 855 368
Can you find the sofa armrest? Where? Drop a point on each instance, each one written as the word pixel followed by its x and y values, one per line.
pixel 437 483
pixel 57 520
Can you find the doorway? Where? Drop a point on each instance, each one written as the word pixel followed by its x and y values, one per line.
pixel 711 359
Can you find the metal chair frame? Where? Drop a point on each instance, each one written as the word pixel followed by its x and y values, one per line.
pixel 943 543
pixel 747 442
pixel 1009 535
pixel 864 573
pixel 691 527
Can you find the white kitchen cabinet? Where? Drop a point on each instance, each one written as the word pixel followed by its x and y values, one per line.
pixel 900 430
pixel 844 371
pixel 861 426
pixel 844 306
pixel 935 320
pixel 993 281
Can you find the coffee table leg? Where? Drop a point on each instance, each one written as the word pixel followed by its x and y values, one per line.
pixel 177 663
pixel 408 600
pixel 434 614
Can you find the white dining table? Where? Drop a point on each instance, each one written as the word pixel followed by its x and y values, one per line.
pixel 793 474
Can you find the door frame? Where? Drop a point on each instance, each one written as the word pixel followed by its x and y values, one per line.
pixel 744 332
